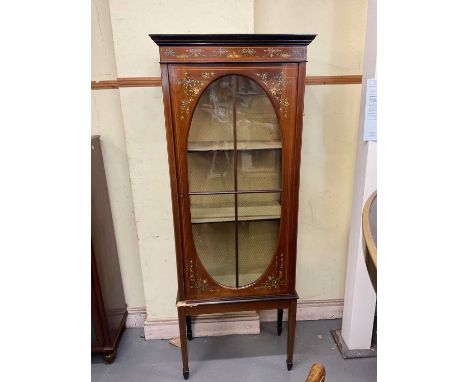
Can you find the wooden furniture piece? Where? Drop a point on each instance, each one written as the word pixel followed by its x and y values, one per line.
pixel 369 230
pixel 233 106
pixel 108 308
pixel 316 373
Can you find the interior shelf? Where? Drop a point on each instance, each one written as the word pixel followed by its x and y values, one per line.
pixel 204 214
pixel 241 145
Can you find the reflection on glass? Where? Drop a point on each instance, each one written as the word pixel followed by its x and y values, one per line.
pixel 258 139
pixel 211 127
pixel 210 141
pixel 257 124
pixel 213 229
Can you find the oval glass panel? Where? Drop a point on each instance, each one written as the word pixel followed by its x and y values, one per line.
pixel 234 175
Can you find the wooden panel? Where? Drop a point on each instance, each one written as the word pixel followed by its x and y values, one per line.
pixel 198 282
pixel 98 314
pixel 333 80
pixel 199 54
pixel 296 163
pixel 173 172
pixel 125 82
pixel 101 85
pixel 107 285
pixel 244 39
pixel 220 305
pixel 156 81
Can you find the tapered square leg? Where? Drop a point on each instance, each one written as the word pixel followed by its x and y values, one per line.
pixel 279 322
pixel 188 321
pixel 291 332
pixel 183 341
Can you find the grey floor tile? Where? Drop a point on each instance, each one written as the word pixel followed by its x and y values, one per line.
pixel 234 358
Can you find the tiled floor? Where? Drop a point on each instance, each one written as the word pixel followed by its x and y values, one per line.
pixel 243 358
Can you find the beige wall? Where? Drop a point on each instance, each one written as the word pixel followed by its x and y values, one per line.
pixel 143 116
pixel 331 116
pixel 330 126
pixel 106 120
pixel 132 21
pixel 339 24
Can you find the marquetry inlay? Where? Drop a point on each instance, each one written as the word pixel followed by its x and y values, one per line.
pixel 217 54
pixel 275 85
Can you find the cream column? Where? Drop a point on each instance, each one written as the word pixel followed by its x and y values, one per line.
pixel 107 122
pixel 360 297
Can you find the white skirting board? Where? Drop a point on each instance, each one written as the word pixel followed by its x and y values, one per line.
pixel 136 317
pixel 161 329
pixel 206 325
pixel 233 323
pixel 309 310
pixel 224 324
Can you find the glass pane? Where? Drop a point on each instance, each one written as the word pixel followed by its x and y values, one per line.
pixel 213 229
pixel 211 126
pixel 210 141
pixel 257 124
pixel 259 206
pixel 258 238
pixel 210 171
pixel 258 138
pixel 212 208
pixel 257 246
pixel 259 170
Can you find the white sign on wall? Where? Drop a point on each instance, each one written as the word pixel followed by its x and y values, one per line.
pixel 370 121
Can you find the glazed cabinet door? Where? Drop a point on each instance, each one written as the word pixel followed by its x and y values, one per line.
pixel 234 138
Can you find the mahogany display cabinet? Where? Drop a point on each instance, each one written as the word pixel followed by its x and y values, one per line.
pixel 233 107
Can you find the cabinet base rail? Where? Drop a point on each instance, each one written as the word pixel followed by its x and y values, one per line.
pixel 188 308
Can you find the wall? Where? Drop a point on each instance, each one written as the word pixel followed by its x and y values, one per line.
pixel 331 116
pixel 330 125
pixel 143 117
pixel 106 120
pixel 340 26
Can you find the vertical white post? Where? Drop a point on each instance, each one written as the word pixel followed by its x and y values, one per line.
pixel 360 297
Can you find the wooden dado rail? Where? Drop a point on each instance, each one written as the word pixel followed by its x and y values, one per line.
pixel 128 82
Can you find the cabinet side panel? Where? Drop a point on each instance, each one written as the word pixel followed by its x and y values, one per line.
pixel 296 172
pixel 98 315
pixel 173 176
pixel 105 246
